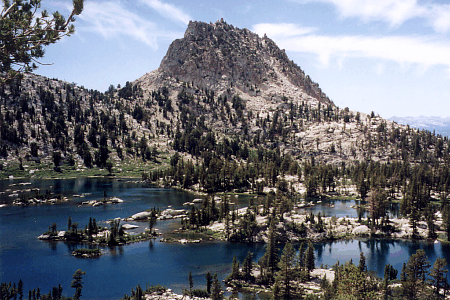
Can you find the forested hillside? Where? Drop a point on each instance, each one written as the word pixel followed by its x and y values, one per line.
pixel 225 111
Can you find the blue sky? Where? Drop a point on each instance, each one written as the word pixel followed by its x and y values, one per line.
pixel 387 56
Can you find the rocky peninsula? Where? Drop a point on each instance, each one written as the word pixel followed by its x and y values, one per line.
pixel 295 227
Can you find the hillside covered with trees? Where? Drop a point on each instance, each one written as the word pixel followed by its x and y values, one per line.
pixel 245 123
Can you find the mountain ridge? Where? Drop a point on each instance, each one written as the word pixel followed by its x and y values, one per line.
pixel 183 124
pixel 431 123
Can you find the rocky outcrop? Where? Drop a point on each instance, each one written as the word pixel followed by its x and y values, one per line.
pixel 96 203
pixel 173 213
pixel 129 226
pixel 165 214
pixel 141 216
pixel 34 201
pixel 57 236
pixel 222 58
pixel 169 295
pixel 220 54
pixel 361 230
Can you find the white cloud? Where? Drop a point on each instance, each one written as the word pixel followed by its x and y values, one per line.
pixel 281 29
pixel 440 17
pixel 393 12
pixel 110 19
pixel 379 69
pixel 168 11
pixel 405 50
pixel 340 62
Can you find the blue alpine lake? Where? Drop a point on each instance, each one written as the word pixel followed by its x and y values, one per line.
pixel 46 264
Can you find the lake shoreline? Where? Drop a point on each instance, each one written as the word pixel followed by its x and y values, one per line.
pixel 333 229
pixel 215 255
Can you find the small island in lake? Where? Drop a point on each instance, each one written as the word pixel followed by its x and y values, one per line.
pixel 87 253
pixel 95 203
pixel 93 234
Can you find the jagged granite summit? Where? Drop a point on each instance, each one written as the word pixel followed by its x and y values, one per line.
pixel 224 58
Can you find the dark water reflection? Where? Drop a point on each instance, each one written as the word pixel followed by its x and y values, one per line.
pixel 347 208
pixel 378 252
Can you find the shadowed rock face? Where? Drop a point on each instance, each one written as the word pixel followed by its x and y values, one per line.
pixel 221 55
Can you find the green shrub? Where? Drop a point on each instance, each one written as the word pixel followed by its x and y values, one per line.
pixel 199 293
pixel 156 289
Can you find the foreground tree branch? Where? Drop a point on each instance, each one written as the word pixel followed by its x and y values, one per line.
pixel 23 34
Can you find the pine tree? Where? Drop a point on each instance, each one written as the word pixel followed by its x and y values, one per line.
pixel 386 282
pixel 351 283
pixel 376 204
pixel 287 274
pixel 268 263
pixel 276 291
pixel 94 226
pixel 327 288
pixel 391 272
pixel 234 269
pixel 216 289
pixel 310 258
pixel 191 282
pixel 437 274
pixel 300 261
pixel 415 271
pixel 247 267
pixel 69 223
pixel 430 218
pixel 90 229
pixel 413 219
pixel 20 289
pixel 77 283
pixel 24 34
pixel 139 295
pixel 57 292
pixel 152 221
pixel 227 226
pixel 362 262
pixel 403 273
pixel 209 280
pixel 301 256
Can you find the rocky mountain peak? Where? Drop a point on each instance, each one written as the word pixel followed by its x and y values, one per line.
pixel 220 57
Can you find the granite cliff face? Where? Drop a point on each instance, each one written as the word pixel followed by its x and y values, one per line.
pixel 224 58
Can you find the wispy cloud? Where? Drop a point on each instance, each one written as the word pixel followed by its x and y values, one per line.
pixel 422 51
pixel 440 17
pixel 393 12
pixel 168 11
pixel 111 20
pixel 281 29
